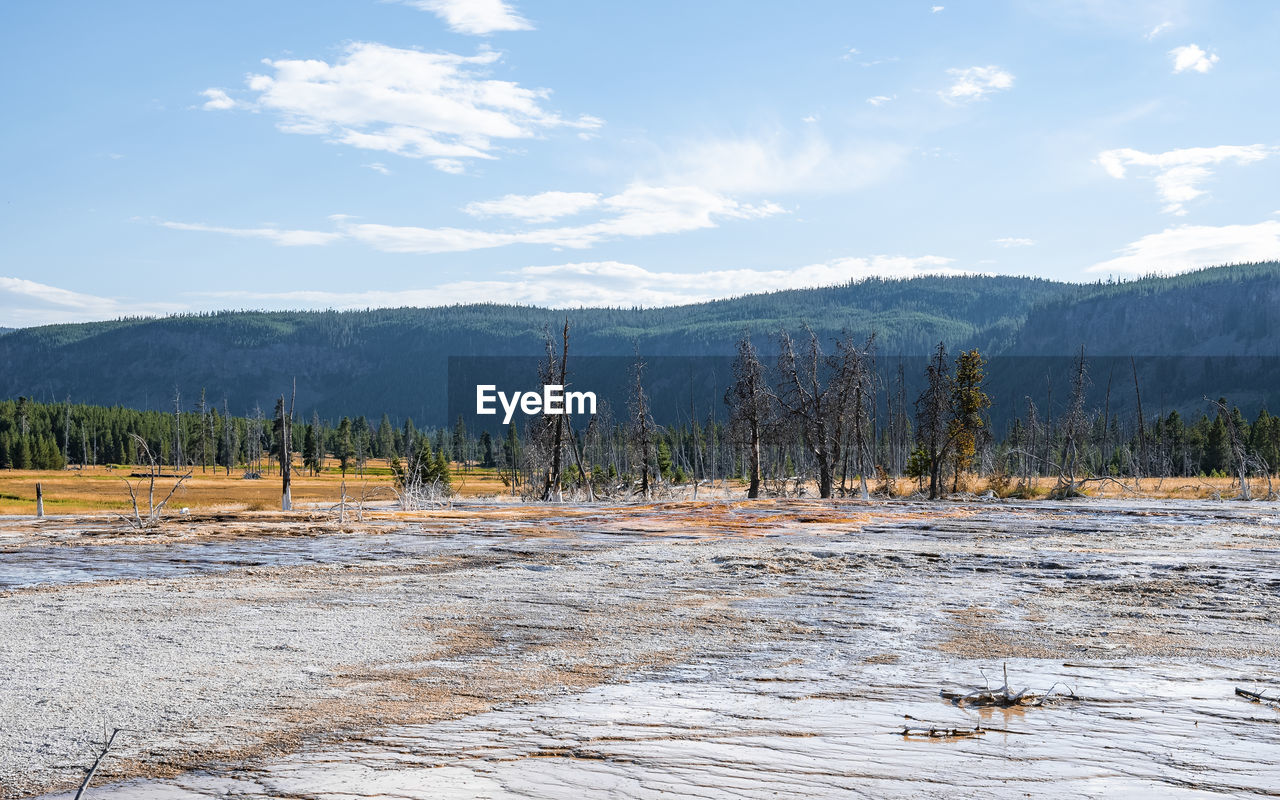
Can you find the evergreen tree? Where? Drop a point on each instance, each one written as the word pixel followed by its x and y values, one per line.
pixel 345 449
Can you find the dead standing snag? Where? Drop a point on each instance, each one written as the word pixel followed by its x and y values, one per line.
pixel 152 518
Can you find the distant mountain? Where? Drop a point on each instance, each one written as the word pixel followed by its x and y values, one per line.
pixel 396 360
pixel 1213 312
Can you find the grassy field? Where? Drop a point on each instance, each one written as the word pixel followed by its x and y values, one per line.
pixel 102 489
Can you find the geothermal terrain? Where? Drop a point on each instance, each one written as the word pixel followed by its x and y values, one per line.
pixel 705 649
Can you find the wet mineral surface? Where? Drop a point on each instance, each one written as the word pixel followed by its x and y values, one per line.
pixel 790 649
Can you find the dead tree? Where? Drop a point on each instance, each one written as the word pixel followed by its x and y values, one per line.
pixel 39 501
pixel 643 429
pixel 1239 453
pixel 177 429
pixel 154 510
pixel 1143 463
pixel 750 402
pixel 97 762
pixel 228 436
pixel 858 366
pixel 933 413
pixel 1075 429
pixel 817 392
pixel 285 421
pixel 555 371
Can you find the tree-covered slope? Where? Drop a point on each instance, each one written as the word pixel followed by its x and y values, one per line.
pixel 395 360
pixel 1220 311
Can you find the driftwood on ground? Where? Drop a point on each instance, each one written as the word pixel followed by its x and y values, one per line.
pixel 1003 697
pixel 1258 697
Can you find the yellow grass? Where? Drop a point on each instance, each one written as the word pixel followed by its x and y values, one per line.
pixel 1153 488
pixel 101 489
pixel 76 491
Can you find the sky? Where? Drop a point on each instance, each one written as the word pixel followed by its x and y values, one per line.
pixel 161 157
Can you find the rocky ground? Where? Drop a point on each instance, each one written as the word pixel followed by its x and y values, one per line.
pixel 709 649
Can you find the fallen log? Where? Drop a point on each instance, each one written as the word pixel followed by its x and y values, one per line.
pixel 942 733
pixel 1258 697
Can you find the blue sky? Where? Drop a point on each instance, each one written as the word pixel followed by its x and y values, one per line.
pixel 163 157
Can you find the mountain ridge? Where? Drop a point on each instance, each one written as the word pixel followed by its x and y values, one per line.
pixel 394 360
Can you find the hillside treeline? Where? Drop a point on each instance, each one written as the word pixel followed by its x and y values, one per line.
pixel 819 415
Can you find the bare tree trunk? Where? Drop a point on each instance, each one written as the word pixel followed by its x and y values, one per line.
pixel 39 501
pixel 177 430
pixel 286 459
pixel 1142 423
pixel 553 491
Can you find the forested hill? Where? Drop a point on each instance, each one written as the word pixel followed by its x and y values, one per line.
pixel 1214 312
pixel 395 360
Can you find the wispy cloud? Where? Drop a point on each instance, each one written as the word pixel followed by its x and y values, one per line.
pixel 475 17
pixel 1191 57
pixel 638 211
pixel 975 83
pixel 1188 247
pixel 880 99
pixel 1010 241
pixel 775 164
pixel 542 207
pixel 285 238
pixel 936 9
pixel 1157 30
pixel 24 303
pixel 610 283
pixel 439 106
pixel 594 283
pixel 377 167
pixel 1179 172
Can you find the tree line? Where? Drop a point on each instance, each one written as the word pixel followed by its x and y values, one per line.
pixel 819 413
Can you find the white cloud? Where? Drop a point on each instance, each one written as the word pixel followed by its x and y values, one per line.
pixel 1179 171
pixel 1191 57
pixel 1188 247
pixel 218 100
pixel 476 17
pixel 24 303
pixel 450 165
pixel 639 211
pixel 975 83
pixel 420 105
pixel 542 207
pixel 611 283
pixel 1010 241
pixel 377 167
pixel 596 283
pixel 285 238
pixel 772 165
pixel 936 9
pixel 1159 29
pixel 880 99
